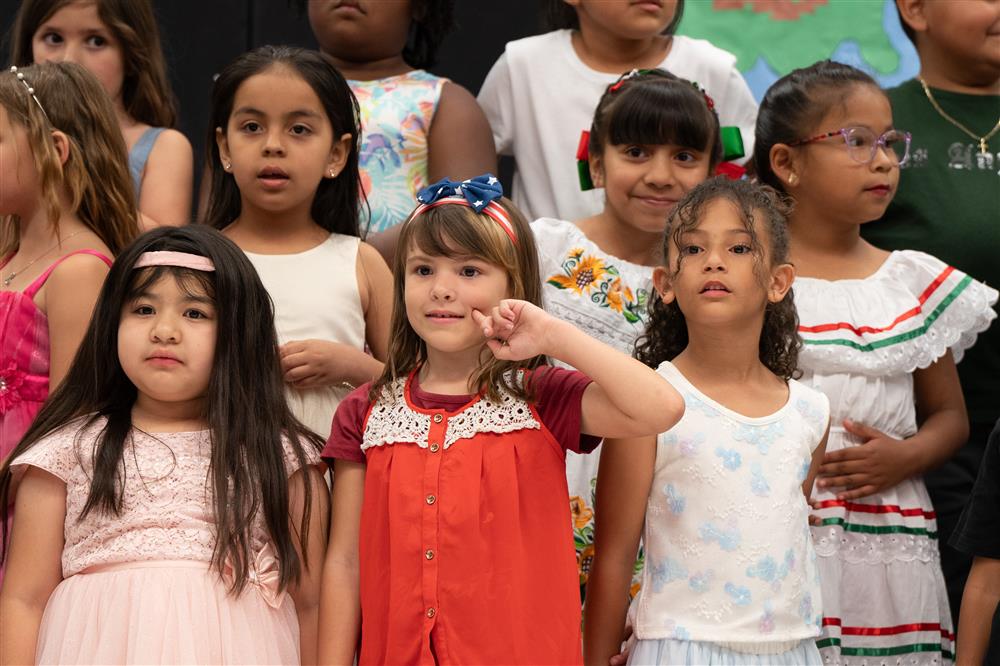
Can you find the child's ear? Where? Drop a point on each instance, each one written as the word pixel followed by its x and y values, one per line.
pixel 661 280
pixel 911 13
pixel 61 143
pixel 596 165
pixel 223 143
pixel 785 165
pixel 782 277
pixel 339 153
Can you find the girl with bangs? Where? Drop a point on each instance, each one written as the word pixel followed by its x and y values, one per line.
pixel 451 540
pixel 653 138
pixel 119 43
pixel 170 509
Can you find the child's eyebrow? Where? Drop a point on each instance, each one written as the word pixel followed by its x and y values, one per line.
pixel 297 113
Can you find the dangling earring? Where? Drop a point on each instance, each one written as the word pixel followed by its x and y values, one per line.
pixel 792 179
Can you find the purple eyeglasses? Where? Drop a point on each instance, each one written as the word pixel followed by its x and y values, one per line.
pixel 862 143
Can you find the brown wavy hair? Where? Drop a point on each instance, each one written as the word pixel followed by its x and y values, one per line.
pixel 666 333
pixel 146 92
pixel 95 175
pixel 454 231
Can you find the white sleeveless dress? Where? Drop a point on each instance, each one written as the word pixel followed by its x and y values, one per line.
pixel 315 295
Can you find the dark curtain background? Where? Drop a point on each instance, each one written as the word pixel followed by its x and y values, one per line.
pixel 201 36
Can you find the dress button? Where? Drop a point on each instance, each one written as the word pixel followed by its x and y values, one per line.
pixel 434 447
pixel 431 499
pixel 438 418
pixel 431 612
pixel 429 553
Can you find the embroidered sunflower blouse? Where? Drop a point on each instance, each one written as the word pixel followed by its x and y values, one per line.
pixel 465 544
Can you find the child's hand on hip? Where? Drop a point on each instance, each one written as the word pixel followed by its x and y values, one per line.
pixel 878 463
pixel 516 330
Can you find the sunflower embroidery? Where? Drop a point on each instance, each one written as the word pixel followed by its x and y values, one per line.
pixel 580 272
pixel 601 283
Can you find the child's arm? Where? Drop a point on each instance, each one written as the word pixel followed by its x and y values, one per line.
pixel 625 398
pixel 70 294
pixel 168 182
pixel 883 461
pixel 623 483
pixel 340 595
pixel 817 461
pixel 306 591
pixel 34 563
pixel 979 603
pixel 314 363
pixel 460 143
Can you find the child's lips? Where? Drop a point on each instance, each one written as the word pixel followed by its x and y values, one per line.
pixel 880 190
pixel 444 317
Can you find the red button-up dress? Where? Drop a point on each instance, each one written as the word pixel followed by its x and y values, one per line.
pixel 466 545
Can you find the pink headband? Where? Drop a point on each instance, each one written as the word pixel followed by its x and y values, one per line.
pixel 180 259
pixel 493 210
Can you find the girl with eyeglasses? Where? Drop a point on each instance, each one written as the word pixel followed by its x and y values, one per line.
pixel 881 334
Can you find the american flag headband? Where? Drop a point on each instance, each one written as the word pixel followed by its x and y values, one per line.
pixel 493 210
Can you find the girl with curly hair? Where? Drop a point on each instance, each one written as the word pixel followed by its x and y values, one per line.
pixel 720 499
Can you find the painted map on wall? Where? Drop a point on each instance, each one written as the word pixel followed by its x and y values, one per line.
pixel 772 37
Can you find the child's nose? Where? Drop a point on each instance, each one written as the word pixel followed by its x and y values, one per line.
pixel 660 171
pixel 442 290
pixel 165 330
pixel 273 144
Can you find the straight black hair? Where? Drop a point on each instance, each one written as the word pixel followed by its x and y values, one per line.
pixel 557 15
pixel 654 107
pixel 336 204
pixel 245 404
pixel 795 103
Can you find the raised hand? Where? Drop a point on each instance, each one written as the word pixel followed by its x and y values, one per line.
pixel 877 464
pixel 516 330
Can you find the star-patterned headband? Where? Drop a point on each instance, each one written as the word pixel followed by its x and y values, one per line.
pixel 479 193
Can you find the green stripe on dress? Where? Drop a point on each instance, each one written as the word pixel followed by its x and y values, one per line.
pixel 886 651
pixel 880 529
pixel 902 337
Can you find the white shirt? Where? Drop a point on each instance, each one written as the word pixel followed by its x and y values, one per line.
pixel 539 96
pixel 729 557
pixel 315 296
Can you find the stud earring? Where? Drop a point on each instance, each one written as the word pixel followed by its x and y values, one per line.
pixel 792 179
pixel 227 165
pixel 333 174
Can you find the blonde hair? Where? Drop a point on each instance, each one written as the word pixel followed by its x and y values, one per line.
pixel 146 93
pixel 452 231
pixel 76 105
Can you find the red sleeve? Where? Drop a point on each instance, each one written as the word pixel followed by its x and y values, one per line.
pixel 348 427
pixel 559 400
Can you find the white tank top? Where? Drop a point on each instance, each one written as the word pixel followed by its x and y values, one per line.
pixel 315 295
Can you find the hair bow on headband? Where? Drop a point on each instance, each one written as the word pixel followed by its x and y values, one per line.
pixel 478 191
pixel 481 194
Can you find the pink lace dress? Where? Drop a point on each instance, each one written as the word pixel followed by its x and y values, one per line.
pixel 137 587
pixel 24 357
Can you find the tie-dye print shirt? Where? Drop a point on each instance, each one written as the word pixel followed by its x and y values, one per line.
pixel 729 556
pixel 396 115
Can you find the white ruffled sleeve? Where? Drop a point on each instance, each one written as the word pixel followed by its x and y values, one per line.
pixel 904 317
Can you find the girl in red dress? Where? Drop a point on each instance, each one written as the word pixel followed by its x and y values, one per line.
pixel 451 538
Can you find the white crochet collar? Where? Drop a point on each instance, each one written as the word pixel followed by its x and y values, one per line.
pixel 393 421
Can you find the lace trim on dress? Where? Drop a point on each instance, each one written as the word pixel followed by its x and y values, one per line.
pixel 875 549
pixel 939 308
pixel 393 421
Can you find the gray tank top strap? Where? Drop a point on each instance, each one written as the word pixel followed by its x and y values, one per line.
pixel 140 153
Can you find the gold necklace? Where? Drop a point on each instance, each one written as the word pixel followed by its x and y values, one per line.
pixel 981 139
pixel 10 278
